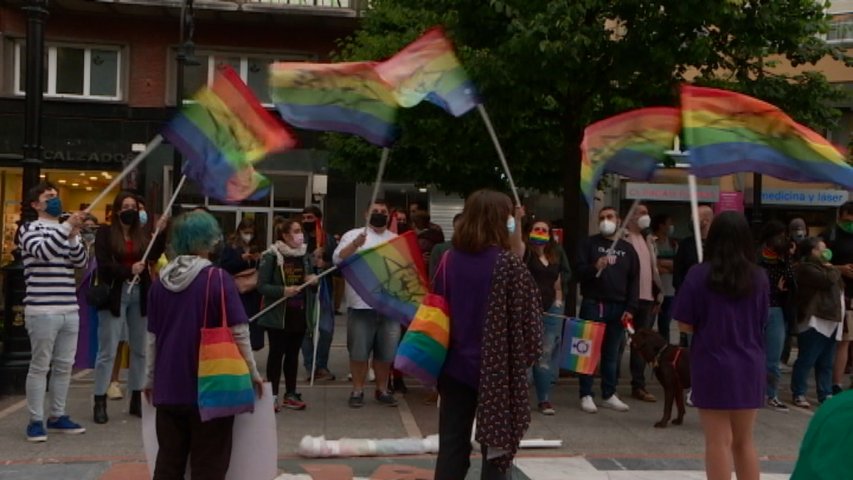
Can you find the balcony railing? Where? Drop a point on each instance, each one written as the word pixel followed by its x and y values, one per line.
pixel 840 32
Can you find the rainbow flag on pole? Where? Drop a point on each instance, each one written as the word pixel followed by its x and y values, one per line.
pixel 389 277
pixel 630 144
pixel 337 97
pixel 581 345
pixel 222 133
pixel 427 69
pixel 728 132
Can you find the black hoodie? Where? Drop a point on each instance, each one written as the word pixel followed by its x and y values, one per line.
pixel 619 282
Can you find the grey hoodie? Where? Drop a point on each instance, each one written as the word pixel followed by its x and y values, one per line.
pixel 178 274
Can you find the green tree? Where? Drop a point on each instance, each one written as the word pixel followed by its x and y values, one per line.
pixel 548 68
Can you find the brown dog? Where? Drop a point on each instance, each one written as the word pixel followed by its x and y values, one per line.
pixel 672 367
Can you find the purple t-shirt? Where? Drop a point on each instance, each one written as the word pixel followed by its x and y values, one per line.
pixel 727 360
pixel 469 283
pixel 176 318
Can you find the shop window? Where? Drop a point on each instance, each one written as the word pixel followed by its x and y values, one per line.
pixel 73 71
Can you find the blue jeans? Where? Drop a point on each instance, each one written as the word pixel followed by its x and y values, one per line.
pixel 324 345
pixel 774 340
pixel 546 369
pixel 54 343
pixel 109 334
pixel 665 317
pixel 614 334
pixel 818 351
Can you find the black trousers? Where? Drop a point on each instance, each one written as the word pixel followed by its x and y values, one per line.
pixel 283 355
pixel 643 319
pixel 182 434
pixel 456 414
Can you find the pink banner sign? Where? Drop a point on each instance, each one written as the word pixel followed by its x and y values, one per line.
pixel 729 201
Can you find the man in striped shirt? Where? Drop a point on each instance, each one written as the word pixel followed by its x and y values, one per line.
pixel 50 251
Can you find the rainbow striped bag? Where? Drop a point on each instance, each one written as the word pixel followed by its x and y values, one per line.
pixel 224 383
pixel 422 350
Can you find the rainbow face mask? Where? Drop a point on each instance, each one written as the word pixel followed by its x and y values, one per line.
pixel 539 238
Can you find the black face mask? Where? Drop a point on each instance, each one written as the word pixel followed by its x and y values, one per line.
pixel 402 227
pixel 378 220
pixel 309 228
pixel 128 217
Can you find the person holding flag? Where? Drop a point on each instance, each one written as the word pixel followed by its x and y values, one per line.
pixel 609 273
pixel 368 331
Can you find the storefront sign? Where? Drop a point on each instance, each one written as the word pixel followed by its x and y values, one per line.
pixel 803 196
pixel 670 192
pixel 87 157
pixel 729 202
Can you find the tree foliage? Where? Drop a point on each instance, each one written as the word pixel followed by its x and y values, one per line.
pixel 548 68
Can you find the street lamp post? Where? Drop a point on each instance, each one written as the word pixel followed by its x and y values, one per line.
pixel 184 58
pixel 36 13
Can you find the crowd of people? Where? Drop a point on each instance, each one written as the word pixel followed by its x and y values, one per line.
pixel 506 282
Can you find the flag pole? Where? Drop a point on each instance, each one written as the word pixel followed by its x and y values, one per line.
pixel 621 231
pixel 491 130
pixel 153 144
pixel 166 212
pixel 299 288
pixel 694 211
pixel 316 338
pixel 383 161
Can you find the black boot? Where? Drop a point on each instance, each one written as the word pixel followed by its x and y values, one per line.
pixel 136 403
pixel 100 410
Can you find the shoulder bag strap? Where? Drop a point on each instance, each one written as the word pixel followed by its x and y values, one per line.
pixel 207 297
pixel 222 298
pixel 442 267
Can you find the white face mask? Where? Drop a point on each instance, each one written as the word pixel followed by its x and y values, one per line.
pixel 644 222
pixel 247 237
pixel 607 227
pixel 510 225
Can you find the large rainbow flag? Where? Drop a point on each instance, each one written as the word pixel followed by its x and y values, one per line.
pixel 338 97
pixel 581 345
pixel 222 133
pixel 630 144
pixel 728 132
pixel 423 349
pixel 389 277
pixel 427 69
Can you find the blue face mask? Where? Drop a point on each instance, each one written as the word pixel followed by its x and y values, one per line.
pixel 510 225
pixel 53 207
pixel 143 217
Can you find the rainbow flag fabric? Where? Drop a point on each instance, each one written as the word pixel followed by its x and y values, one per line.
pixel 222 133
pixel 389 277
pixel 427 69
pixel 727 132
pixel 630 144
pixel 581 345
pixel 224 382
pixel 423 349
pixel 338 97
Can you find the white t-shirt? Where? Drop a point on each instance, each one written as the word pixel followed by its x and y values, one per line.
pixel 373 239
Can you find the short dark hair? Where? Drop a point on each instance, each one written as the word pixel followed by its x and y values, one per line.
pixel 658 220
pixel 457 217
pixel 772 229
pixel 378 201
pixel 846 209
pixel 315 210
pixel 608 207
pixel 35 192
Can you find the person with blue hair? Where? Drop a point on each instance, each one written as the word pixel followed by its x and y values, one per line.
pixel 189 287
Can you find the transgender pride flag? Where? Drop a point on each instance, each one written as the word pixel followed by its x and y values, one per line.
pixel 581 345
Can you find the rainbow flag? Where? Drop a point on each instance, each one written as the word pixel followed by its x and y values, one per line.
pixel 423 349
pixel 389 277
pixel 728 132
pixel 337 97
pixel 222 133
pixel 427 69
pixel 581 345
pixel 630 144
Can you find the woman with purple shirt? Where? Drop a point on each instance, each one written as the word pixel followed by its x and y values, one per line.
pixel 495 336
pixel 724 303
pixel 176 306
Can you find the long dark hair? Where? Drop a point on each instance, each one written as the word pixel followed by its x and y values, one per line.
pixel 137 235
pixel 550 248
pixel 730 252
pixel 483 222
pixel 246 223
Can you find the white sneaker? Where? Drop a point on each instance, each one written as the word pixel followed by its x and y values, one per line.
pixel 588 405
pixel 614 403
pixel 689 400
pixel 114 391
